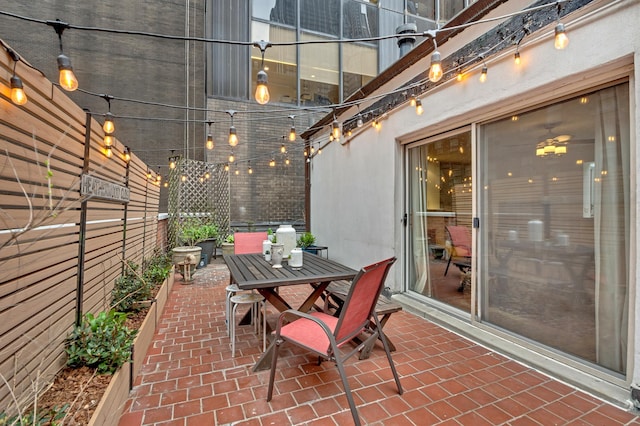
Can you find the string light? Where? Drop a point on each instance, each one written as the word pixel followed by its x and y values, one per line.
pixel 232 158
pixel 210 144
pixel 516 57
pixel 127 154
pixel 68 80
pixel 419 109
pixel 435 70
pixel 561 41
pixel 18 96
pixel 250 170
pixel 335 129
pixel 233 137
pixel 107 151
pixel 483 74
pixel 272 163
pixel 108 125
pixel 262 91
pixel 292 132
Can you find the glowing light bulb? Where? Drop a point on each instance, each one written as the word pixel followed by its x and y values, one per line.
pixel 561 40
pixel 262 91
pixel 18 96
pixel 233 137
pixel 108 125
pixel 68 79
pixel 483 75
pixel 435 71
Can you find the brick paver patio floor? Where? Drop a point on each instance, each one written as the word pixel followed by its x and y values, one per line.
pixel 191 379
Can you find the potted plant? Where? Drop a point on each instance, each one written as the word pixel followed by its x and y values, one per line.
pixel 306 242
pixel 270 234
pixel 190 233
pixel 208 234
pixel 228 246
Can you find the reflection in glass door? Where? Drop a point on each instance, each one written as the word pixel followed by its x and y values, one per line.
pixel 439 232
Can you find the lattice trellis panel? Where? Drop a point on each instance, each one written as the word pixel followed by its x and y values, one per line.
pixel 198 190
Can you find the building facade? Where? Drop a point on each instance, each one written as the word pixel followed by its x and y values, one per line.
pixel 510 201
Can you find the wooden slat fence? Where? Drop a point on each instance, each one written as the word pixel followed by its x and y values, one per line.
pixel 55 265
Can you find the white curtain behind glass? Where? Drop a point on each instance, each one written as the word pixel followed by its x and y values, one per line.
pixel 612 226
pixel 420 248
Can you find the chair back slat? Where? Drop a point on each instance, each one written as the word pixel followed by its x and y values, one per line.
pixel 248 242
pixel 361 301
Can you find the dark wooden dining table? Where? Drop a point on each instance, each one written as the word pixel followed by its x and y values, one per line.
pixel 252 272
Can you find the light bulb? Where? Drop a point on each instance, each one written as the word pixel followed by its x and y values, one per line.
pixel 127 154
pixel 413 101
pixel 435 71
pixel 335 130
pixel 262 91
pixel 108 140
pixel 359 123
pixel 232 158
pixel 516 58
pixel 292 134
pixel 68 79
pixel 233 137
pixel 107 151
pixel 283 149
pixel 210 143
pixel 108 125
pixel 18 96
pixel 561 39
pixel 172 164
pixel 419 109
pixel 483 75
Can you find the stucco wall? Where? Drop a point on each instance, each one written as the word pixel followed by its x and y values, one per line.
pixel 357 188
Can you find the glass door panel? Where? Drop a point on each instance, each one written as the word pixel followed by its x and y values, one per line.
pixel 554 220
pixel 439 232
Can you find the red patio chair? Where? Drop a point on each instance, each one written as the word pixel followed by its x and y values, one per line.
pixel 248 242
pixel 325 335
pixel 460 238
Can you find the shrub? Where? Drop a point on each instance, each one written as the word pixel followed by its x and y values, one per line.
pixel 129 288
pixel 102 342
pixel 156 269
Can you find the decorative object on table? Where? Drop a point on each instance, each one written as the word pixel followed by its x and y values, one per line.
pixel 228 246
pixel 277 253
pixel 306 242
pixel 295 261
pixel 266 250
pixel 536 230
pixel 286 235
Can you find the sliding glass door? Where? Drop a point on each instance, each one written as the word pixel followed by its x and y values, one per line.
pixel 439 206
pixel 554 225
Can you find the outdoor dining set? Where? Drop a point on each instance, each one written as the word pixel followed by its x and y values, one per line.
pixel 343 314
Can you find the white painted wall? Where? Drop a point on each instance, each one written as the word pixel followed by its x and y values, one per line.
pixel 357 188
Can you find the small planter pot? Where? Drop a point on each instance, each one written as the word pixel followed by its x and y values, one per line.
pixel 228 248
pixel 208 248
pixel 186 258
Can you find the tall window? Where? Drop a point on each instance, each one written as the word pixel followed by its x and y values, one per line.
pixel 554 220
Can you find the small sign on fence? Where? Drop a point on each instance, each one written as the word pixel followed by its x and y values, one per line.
pixel 96 187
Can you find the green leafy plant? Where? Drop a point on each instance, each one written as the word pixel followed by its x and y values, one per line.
pixel 102 342
pixel 192 231
pixel 130 288
pixel 51 417
pixel 156 269
pixel 305 240
pixel 229 239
